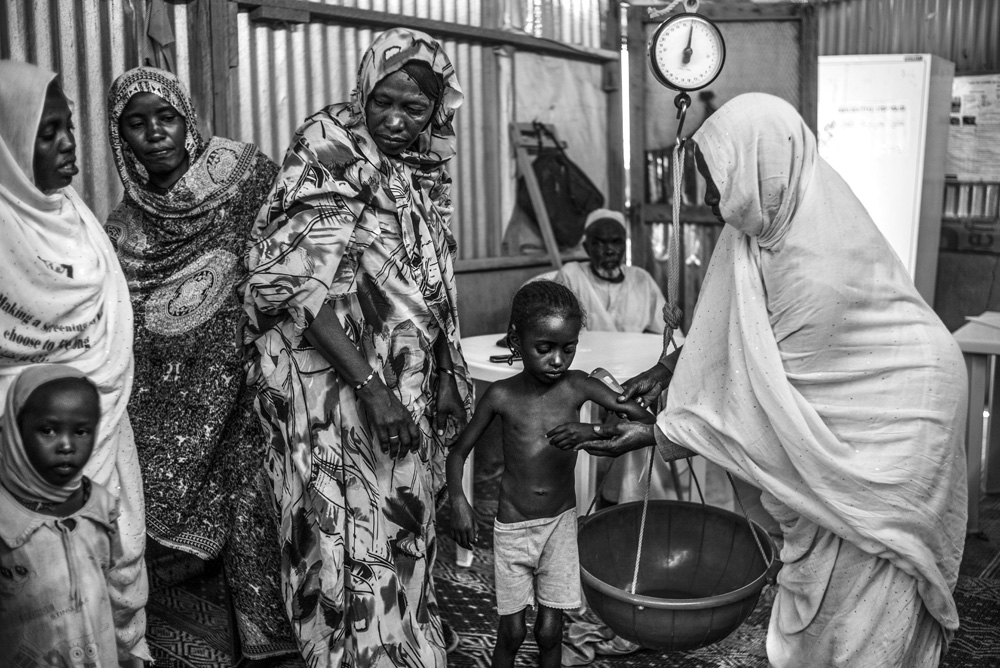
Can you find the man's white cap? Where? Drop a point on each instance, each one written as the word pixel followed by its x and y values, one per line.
pixel 605 214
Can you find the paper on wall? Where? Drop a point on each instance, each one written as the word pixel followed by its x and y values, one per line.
pixel 974 133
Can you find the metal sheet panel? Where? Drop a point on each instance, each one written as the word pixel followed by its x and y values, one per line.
pixel 579 22
pixel 966 32
pixel 286 72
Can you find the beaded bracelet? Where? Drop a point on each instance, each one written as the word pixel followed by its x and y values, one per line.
pixel 365 381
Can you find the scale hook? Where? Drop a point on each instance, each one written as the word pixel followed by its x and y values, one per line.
pixel 682 102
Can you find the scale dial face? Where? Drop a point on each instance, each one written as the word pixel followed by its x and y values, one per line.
pixel 686 52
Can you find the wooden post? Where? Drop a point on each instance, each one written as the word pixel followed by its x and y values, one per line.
pixel 616 131
pixel 225 60
pixel 809 45
pixel 642 254
pixel 522 136
pixel 214 57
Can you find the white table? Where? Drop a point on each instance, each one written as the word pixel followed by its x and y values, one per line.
pixel 980 345
pixel 623 354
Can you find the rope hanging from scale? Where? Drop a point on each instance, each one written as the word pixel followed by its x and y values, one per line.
pixel 673 316
pixel 657 12
pixel 642 521
pixel 672 319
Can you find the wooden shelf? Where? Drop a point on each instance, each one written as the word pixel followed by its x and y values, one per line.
pixel 306 11
pixel 514 261
pixel 982 220
pixel 663 213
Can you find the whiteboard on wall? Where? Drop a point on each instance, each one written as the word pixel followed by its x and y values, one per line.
pixel 882 124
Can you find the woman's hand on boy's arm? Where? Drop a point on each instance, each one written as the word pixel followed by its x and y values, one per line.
pixel 602 395
pixel 647 387
pixel 617 439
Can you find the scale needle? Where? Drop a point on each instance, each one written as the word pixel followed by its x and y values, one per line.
pixel 688 50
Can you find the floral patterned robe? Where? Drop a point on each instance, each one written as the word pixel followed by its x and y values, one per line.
pixel 367 234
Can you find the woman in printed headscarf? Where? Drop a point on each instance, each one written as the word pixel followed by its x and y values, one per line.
pixel 353 333
pixel 815 372
pixel 63 300
pixel 180 234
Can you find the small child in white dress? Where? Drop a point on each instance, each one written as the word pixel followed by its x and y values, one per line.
pixel 58 537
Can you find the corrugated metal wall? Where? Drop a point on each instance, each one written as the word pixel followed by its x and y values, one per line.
pixel 966 32
pixel 570 21
pixel 284 73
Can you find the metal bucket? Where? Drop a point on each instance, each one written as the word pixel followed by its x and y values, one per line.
pixel 700 572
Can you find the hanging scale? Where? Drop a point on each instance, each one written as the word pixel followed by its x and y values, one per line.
pixel 686 53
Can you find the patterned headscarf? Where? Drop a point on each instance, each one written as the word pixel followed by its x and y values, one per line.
pixel 164 84
pixel 390 51
pixel 17 473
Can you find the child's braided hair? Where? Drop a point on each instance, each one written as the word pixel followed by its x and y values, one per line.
pixel 537 299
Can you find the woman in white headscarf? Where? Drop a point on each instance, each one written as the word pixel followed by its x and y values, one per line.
pixel 63 300
pixel 815 371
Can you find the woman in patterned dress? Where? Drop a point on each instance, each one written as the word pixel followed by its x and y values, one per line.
pixel 180 234
pixel 353 337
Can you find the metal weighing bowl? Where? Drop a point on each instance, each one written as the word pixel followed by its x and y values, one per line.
pixel 700 575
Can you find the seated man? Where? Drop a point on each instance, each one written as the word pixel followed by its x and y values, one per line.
pixel 617 298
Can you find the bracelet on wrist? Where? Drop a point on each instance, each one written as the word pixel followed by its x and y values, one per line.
pixel 365 381
pixel 450 372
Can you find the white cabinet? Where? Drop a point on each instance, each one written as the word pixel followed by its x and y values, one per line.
pixel 883 125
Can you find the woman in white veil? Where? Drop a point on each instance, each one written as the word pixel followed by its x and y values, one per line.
pixel 63 300
pixel 815 372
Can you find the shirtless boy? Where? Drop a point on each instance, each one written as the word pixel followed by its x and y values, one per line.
pixel 534 533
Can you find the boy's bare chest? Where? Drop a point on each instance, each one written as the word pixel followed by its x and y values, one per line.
pixel 530 415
